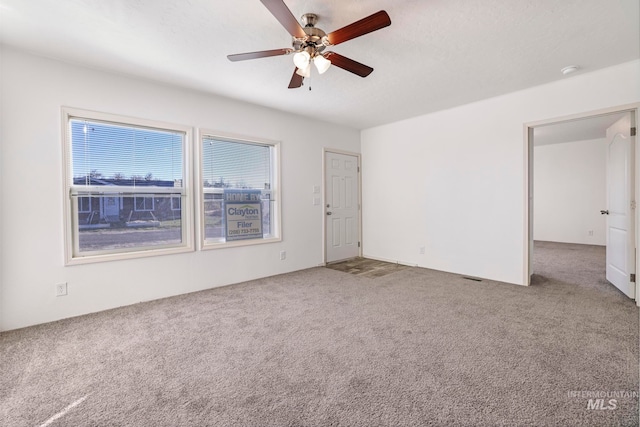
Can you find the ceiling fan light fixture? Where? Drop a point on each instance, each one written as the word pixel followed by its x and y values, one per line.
pixel 305 71
pixel 308 42
pixel 302 59
pixel 322 63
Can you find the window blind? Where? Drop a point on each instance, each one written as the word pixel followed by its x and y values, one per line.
pixel 232 164
pixel 105 153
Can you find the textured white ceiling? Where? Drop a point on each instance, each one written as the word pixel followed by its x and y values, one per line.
pixel 575 130
pixel 435 55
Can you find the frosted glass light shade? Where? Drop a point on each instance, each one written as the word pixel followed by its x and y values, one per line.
pixel 322 63
pixel 301 59
pixel 304 72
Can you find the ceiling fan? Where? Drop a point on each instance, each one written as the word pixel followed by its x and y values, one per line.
pixel 309 42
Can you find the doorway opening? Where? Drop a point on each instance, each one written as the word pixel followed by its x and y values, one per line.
pixel 573 144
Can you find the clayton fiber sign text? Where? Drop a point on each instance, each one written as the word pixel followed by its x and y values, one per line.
pixel 243 214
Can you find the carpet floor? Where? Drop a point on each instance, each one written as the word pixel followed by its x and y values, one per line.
pixel 321 347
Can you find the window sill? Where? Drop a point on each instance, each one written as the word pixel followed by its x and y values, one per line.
pixel 90 259
pixel 237 243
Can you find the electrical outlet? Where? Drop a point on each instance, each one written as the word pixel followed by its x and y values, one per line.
pixel 421 250
pixel 590 232
pixel 283 255
pixel 61 289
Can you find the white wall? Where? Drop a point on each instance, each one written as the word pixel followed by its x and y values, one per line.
pixel 34 89
pixel 569 191
pixel 453 181
pixel 2 108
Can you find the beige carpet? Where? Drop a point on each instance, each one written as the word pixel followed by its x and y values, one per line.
pixel 323 348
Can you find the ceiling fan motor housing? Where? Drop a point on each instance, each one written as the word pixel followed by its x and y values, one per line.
pixel 316 39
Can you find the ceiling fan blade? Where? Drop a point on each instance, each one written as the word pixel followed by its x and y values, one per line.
pixel 296 80
pixel 359 28
pixel 348 64
pixel 260 54
pixel 285 17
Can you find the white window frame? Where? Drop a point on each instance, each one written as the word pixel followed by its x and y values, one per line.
pixel 88 198
pixel 275 190
pixel 179 202
pixel 144 203
pixel 70 194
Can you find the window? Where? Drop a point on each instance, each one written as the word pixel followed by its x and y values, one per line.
pixel 122 176
pixel 144 204
pixel 84 204
pixel 176 203
pixel 239 183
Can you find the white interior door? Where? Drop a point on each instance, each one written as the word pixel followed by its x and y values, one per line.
pixel 342 210
pixel 620 206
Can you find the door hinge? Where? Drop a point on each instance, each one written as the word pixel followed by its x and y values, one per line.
pixel 633 131
pixel 358 244
pixel 632 278
pixel 359 166
pixel 633 204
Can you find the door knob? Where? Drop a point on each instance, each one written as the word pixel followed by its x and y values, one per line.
pixel 329 213
pixel 604 212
